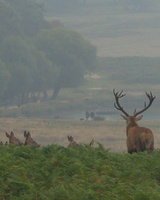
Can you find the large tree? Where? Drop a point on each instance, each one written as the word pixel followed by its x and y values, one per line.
pixel 30 70
pixel 34 57
pixel 21 17
pixel 70 52
pixel 9 21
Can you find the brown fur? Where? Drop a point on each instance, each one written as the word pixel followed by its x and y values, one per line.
pixel 13 139
pixel 29 140
pixel 138 138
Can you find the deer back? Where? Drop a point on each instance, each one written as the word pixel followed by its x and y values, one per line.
pixel 140 139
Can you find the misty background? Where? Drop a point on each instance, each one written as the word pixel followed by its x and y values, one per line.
pixel 61 57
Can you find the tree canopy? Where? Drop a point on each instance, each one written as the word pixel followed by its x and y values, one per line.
pixel 70 52
pixel 36 56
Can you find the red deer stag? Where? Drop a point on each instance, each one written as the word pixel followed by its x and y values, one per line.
pixel 13 139
pixel 29 140
pixel 73 143
pixel 138 138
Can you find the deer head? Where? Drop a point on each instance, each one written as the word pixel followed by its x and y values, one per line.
pixel 73 143
pixel 13 139
pixel 29 140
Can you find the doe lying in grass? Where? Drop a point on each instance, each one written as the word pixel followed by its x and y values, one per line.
pixel 29 140
pixel 73 143
pixel 13 140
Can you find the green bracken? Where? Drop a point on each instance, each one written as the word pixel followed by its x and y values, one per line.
pixel 83 172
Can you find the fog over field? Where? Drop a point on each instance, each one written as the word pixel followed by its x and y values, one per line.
pixel 125 28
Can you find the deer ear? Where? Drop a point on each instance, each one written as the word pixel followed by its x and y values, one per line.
pixel 29 134
pixel 124 117
pixel 24 133
pixel 139 118
pixel 7 135
pixel 68 138
pixel 11 134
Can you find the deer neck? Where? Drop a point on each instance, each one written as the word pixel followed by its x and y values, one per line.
pixel 131 125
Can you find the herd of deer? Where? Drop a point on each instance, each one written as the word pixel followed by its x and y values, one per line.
pixel 138 138
pixel 15 141
pixel 30 141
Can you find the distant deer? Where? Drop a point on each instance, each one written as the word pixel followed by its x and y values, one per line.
pixel 13 139
pixel 73 143
pixel 29 140
pixel 1 143
pixel 138 138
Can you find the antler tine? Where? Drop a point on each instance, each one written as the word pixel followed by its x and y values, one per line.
pixel 117 105
pixel 135 110
pixel 150 96
pixel 118 94
pixel 151 99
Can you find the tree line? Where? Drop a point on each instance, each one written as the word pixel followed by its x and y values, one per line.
pixel 37 55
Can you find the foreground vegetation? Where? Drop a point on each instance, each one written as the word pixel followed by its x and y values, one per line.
pixel 56 172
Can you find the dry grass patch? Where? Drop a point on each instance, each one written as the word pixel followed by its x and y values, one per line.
pixel 111 134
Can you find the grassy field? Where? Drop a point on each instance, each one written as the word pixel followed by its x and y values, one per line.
pixel 111 134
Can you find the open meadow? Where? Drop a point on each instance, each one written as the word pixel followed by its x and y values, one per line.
pixel 110 133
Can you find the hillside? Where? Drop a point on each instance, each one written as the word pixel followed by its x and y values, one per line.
pixel 117 28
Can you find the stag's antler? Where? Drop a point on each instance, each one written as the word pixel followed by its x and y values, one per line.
pixel 117 105
pixel 151 99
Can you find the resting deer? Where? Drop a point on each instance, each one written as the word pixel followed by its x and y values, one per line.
pixel 13 139
pixel 138 138
pixel 29 140
pixel 73 143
